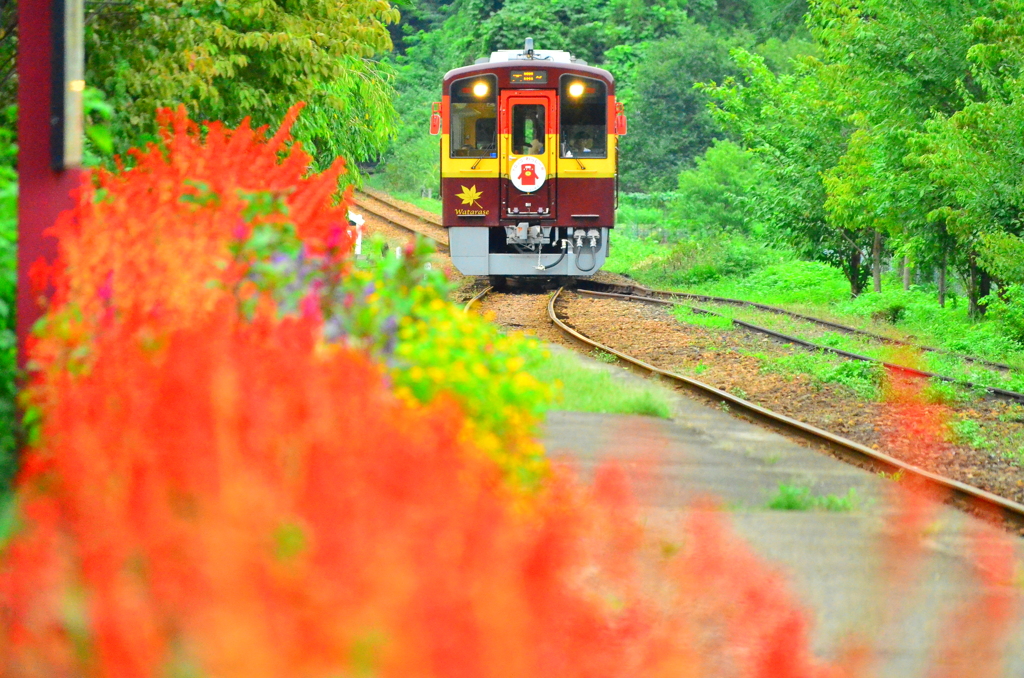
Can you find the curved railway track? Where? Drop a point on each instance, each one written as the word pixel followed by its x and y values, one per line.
pixel 629 293
pixel 479 295
pixel 964 495
pixel 967 497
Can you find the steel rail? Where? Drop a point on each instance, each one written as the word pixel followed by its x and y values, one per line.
pixel 366 201
pixel 818 321
pixel 991 390
pixel 972 497
pixel 478 297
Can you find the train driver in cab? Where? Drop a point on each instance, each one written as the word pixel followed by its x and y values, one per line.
pixel 528 126
pixel 582 144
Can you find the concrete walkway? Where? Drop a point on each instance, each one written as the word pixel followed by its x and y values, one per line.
pixel 829 558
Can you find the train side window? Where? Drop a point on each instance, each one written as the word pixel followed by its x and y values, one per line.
pixel 528 128
pixel 583 128
pixel 473 128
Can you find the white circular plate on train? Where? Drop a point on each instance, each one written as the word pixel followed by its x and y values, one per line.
pixel 528 173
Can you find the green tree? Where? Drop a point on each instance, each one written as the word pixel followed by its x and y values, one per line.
pixel 894 65
pixel 8 52
pixel 228 59
pixel 670 124
pixel 792 126
pixel 8 293
pixel 351 116
pixel 714 195
pixel 976 154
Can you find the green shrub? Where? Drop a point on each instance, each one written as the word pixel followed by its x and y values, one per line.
pixel 8 298
pixel 690 261
pixel 864 378
pixel 787 282
pixel 1008 311
pixel 712 195
pixel 413 167
pixel 629 255
pixel 944 393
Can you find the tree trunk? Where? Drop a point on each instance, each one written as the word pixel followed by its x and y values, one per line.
pixel 854 274
pixel 984 289
pixel 906 273
pixel 979 285
pixel 876 262
pixel 942 281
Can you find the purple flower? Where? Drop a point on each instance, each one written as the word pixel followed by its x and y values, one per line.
pixel 106 290
pixel 334 237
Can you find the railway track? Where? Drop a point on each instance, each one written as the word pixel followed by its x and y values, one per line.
pixel 962 494
pixel 479 295
pixel 965 496
pixel 390 211
pixel 703 298
pixel 630 293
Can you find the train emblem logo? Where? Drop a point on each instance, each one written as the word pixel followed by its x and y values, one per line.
pixel 470 196
pixel 528 174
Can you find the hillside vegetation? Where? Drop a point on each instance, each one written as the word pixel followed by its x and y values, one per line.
pixel 882 139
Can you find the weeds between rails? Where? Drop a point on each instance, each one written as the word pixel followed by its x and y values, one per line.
pixel 629 293
pixel 665 294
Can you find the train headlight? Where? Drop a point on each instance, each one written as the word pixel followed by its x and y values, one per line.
pixel 576 89
pixel 481 89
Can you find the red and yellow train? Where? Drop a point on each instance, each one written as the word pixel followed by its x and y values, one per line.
pixel 529 159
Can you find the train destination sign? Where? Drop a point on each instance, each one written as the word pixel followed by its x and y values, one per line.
pixel 528 77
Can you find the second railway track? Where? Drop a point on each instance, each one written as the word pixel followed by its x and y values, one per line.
pixel 417 222
pixel 630 293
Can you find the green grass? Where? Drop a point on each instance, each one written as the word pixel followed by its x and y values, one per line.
pixel 739 268
pixel 690 317
pixel 586 388
pixel 969 432
pixel 863 378
pixel 800 498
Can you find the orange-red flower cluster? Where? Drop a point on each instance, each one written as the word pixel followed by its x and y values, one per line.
pixel 243 502
pixel 216 491
pixel 150 246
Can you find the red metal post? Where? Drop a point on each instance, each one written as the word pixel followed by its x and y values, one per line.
pixel 43 192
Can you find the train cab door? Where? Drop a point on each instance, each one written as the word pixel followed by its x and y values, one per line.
pixel 528 120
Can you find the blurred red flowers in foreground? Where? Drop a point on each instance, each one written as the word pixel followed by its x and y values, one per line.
pixel 215 490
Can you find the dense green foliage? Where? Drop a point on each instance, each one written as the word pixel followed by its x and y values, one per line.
pixel 231 59
pixel 889 148
pixel 8 282
pixel 909 125
pixel 656 50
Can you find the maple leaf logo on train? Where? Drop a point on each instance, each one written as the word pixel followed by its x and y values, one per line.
pixel 470 196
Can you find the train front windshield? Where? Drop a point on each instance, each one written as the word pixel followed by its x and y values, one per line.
pixel 474 115
pixel 584 117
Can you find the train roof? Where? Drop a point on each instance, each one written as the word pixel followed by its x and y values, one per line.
pixel 530 58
